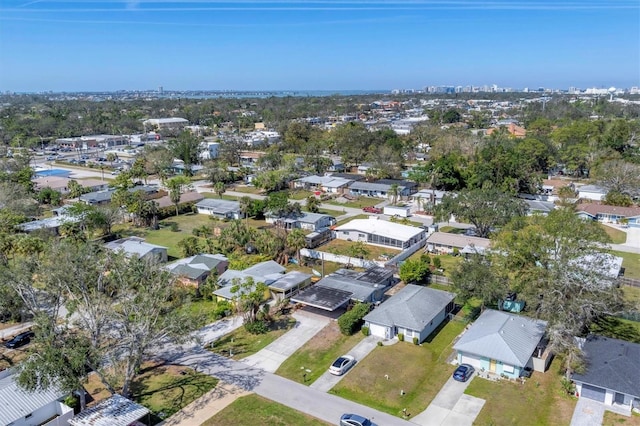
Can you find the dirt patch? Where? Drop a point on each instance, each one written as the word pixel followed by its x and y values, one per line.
pixel 325 338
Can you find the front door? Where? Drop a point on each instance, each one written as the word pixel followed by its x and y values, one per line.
pixel 492 365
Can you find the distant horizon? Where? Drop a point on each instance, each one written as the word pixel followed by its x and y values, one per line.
pixel 99 45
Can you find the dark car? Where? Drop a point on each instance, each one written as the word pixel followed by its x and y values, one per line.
pixel 20 340
pixel 463 373
pixel 355 420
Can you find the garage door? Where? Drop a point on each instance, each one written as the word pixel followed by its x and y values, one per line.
pixel 473 361
pixel 378 330
pixel 593 392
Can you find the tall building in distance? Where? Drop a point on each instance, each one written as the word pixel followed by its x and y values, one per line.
pixel 161 90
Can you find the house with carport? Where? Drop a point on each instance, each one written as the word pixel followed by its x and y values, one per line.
pixel 265 272
pixel 221 209
pixel 195 270
pixel 612 373
pixel 504 344
pixel 603 213
pixel 414 311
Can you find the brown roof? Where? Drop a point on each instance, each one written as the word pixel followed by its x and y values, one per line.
pixel 594 208
pixel 53 182
pixel 187 197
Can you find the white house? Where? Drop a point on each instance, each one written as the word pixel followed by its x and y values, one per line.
pixel 612 373
pixel 22 408
pixel 445 242
pixel 305 220
pixel 414 311
pixel 402 211
pixel 380 232
pixel 223 209
pixel 592 192
pixel 138 247
pixel 503 344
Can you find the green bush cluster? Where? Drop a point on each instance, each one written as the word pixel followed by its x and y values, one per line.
pixel 256 327
pixel 365 331
pixel 401 337
pixel 351 321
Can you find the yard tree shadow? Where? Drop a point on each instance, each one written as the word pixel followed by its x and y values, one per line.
pixel 615 328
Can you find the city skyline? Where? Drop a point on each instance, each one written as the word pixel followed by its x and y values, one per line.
pixel 86 45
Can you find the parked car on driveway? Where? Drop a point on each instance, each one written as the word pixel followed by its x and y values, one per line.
pixel 355 420
pixel 342 365
pixel 20 340
pixel 463 372
pixel 371 209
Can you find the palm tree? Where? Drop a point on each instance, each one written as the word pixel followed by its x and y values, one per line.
pixel 219 188
pixel 295 241
pixel 245 206
pixel 175 190
pixel 313 204
pixel 358 250
pixel 394 191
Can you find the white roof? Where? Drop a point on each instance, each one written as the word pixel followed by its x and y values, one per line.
pixel 172 120
pixel 383 228
pixel 133 245
pixel 16 403
pixel 114 411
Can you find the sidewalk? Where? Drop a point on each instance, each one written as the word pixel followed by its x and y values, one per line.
pixel 359 352
pixel 208 405
pixel 274 354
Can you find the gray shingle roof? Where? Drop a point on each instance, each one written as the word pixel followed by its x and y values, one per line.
pixel 413 307
pixel 612 364
pixel 367 186
pixel 503 337
pixel 219 206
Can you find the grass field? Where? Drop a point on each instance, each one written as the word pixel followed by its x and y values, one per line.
pixel 540 401
pixel 342 247
pixel 617 236
pixel 358 203
pixel 617 328
pixel 240 343
pixel 630 263
pixel 448 262
pixel 318 354
pixel 166 389
pixel 632 295
pixel 613 419
pixel 420 371
pixel 252 410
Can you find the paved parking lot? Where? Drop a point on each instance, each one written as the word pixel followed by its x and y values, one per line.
pixel 451 407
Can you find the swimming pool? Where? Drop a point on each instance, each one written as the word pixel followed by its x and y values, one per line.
pixel 53 172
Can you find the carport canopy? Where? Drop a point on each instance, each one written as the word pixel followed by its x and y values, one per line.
pixel 322 297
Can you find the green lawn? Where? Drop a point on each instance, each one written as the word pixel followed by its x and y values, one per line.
pixel 316 264
pixel 630 263
pixel 299 194
pixel 613 419
pixel 420 371
pixel 240 343
pixel 358 203
pixel 349 219
pixel 632 295
pixel 202 310
pixel 252 410
pixel 540 401
pixel 617 236
pixel 224 196
pixel 342 247
pixel 448 262
pixel 318 354
pixel 330 212
pixel 452 230
pixel 166 389
pixel 617 328
pixel 246 189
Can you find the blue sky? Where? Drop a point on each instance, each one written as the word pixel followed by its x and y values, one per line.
pixel 94 45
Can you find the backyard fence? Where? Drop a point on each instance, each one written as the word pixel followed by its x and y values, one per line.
pixel 439 279
pixel 338 258
pixel 632 282
pixel 406 253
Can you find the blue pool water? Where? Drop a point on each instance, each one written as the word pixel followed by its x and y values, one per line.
pixel 53 172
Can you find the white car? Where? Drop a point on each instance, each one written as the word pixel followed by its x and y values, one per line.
pixel 342 365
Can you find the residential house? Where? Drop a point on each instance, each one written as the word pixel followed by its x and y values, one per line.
pixel 265 272
pixel 113 411
pixel 305 220
pixel 289 285
pixel 612 372
pixel 379 189
pixel 592 192
pixel 414 311
pixel 380 232
pixel 137 247
pixel 504 344
pixel 610 214
pixel 196 269
pixel 179 168
pixel 172 123
pixel 447 243
pixel 250 158
pixel 427 196
pixel 104 196
pixel 222 209
pixel 19 407
pixel 343 286
pixel 539 207
pixel 328 184
pixel 61 184
pixel 336 165
pixel 51 224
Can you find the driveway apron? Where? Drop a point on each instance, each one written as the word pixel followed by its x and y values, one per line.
pixel 587 413
pixel 451 406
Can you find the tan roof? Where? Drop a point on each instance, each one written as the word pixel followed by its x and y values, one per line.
pixel 594 208
pixel 90 183
pixel 457 240
pixel 187 197
pixel 53 182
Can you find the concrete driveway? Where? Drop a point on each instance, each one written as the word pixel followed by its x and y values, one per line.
pixel 587 413
pixel 274 354
pixel 359 351
pixel 451 406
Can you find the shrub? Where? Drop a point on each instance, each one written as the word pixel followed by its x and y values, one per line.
pixel 416 341
pixel 222 309
pixel 568 386
pixel 256 327
pixel 437 262
pixel 351 321
pixel 365 331
pixel 174 227
pixel 401 337
pixel 379 343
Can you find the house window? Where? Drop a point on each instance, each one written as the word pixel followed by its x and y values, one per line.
pixel 508 368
